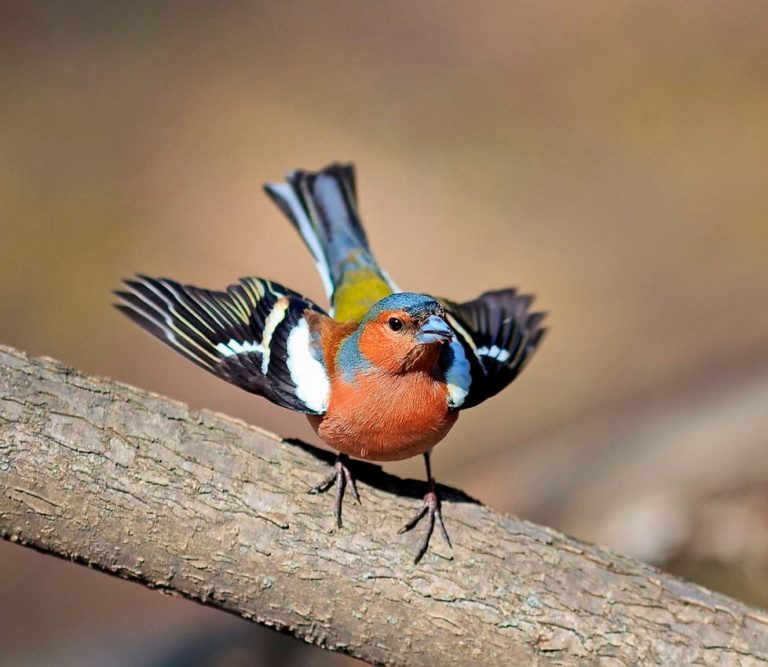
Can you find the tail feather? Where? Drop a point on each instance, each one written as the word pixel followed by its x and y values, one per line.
pixel 322 206
pixel 293 207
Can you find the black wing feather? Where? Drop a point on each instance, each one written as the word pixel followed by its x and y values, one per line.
pixel 499 336
pixel 226 333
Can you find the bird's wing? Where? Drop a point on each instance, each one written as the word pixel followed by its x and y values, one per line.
pixel 496 336
pixel 256 335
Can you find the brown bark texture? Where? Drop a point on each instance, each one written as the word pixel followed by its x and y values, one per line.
pixel 207 507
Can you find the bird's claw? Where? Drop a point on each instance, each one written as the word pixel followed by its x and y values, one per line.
pixel 341 477
pixel 430 507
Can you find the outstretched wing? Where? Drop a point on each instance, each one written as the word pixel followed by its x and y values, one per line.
pixel 496 337
pixel 254 335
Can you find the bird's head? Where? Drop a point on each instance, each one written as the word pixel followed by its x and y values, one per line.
pixel 403 332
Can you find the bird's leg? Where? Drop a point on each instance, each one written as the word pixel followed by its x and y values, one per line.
pixel 430 507
pixel 341 477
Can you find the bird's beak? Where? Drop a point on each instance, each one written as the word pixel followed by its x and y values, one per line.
pixel 434 330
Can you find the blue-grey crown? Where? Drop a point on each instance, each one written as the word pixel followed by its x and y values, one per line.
pixel 416 305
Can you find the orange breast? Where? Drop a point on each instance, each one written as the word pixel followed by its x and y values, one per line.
pixel 382 417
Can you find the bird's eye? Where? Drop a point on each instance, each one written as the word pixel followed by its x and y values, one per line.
pixel 395 324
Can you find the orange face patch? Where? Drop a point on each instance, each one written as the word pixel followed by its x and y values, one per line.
pixel 389 343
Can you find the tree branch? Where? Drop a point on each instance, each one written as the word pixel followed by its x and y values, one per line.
pixel 204 506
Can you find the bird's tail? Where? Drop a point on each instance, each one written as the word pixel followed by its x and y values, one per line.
pixel 323 207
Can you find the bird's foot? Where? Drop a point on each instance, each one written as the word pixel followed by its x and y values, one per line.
pixel 341 478
pixel 430 507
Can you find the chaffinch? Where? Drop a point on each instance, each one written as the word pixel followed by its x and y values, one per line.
pixel 382 375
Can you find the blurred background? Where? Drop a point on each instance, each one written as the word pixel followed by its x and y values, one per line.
pixel 611 157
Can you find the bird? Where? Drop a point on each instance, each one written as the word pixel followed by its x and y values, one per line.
pixel 382 375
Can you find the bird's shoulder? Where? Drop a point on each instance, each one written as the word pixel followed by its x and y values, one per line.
pixel 330 334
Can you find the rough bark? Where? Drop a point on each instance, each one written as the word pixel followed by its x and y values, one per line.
pixel 660 458
pixel 204 506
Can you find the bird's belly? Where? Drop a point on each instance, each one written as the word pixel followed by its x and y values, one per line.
pixel 386 421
